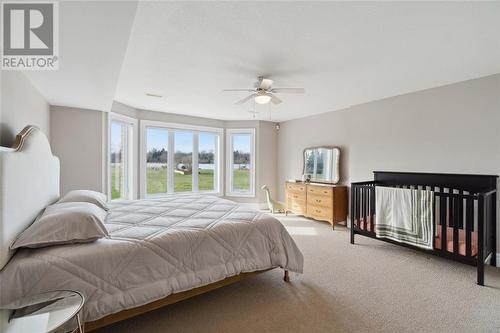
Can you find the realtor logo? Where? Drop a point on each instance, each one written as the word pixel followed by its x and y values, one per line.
pixel 29 36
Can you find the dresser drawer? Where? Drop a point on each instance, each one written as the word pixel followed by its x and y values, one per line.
pixel 296 196
pixel 320 200
pixel 296 188
pixel 319 190
pixel 318 212
pixel 296 207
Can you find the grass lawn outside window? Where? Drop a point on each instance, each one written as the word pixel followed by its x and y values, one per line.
pixel 156 179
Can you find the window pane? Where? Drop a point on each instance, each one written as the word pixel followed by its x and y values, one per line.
pixel 156 160
pixel 183 162
pixel 206 161
pixel 241 161
pixel 118 160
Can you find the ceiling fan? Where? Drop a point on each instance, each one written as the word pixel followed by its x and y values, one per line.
pixel 264 93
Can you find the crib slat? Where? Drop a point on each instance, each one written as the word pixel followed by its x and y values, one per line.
pixel 461 210
pixel 442 218
pixel 493 231
pixel 434 222
pixel 455 223
pixel 368 205
pixel 469 221
pixel 372 211
pixel 437 215
pixel 365 207
pixel 360 201
pixel 355 205
pixel 358 207
pixel 363 210
pixel 480 240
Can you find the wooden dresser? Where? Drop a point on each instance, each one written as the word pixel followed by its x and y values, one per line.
pixel 322 202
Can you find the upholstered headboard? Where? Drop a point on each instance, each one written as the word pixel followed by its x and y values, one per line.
pixel 29 181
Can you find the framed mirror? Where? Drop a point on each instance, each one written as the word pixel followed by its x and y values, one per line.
pixel 321 164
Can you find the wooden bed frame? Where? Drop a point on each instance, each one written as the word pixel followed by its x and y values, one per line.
pixel 171 299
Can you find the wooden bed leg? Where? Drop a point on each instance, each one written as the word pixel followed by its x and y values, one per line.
pixel 286 278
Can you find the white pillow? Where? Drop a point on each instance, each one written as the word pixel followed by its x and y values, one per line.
pixel 64 223
pixel 96 198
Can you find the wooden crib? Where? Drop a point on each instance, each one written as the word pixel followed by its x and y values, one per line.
pixel 464 213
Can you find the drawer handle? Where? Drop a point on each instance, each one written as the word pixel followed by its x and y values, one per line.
pixel 301 188
pixel 318 200
pixel 318 211
pixel 295 196
pixel 326 192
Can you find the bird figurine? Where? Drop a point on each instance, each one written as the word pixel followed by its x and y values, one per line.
pixel 274 206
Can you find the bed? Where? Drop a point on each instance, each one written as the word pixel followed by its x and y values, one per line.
pixel 159 251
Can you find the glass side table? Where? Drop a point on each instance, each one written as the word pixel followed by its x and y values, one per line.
pixel 43 313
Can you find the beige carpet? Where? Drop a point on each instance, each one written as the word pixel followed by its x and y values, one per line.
pixel 368 287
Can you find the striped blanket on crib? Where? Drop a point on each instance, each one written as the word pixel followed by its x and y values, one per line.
pixel 404 215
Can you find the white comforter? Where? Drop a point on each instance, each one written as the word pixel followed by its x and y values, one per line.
pixel 157 247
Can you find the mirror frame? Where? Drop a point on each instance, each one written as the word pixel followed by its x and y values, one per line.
pixel 337 164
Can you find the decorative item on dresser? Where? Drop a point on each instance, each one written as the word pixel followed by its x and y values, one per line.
pixel 323 202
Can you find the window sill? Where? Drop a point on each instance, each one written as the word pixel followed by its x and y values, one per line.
pixel 240 195
pixel 179 194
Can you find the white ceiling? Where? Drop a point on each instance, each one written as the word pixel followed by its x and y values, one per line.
pixel 93 39
pixel 342 53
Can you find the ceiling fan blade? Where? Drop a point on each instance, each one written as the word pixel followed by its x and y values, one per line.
pixel 246 90
pixel 246 99
pixel 275 100
pixel 265 84
pixel 288 90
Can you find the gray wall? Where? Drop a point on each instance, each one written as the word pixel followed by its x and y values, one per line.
pixel 451 129
pixel 77 139
pixel 267 147
pixel 21 105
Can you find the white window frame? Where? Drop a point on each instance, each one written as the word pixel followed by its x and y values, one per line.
pixel 229 162
pixel 131 155
pixel 172 128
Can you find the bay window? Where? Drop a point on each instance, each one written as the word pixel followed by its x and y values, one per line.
pixel 156 160
pixel 120 166
pixel 240 171
pixel 179 158
pixel 207 166
pixel 183 161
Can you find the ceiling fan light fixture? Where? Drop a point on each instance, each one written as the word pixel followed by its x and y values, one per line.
pixel 262 99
